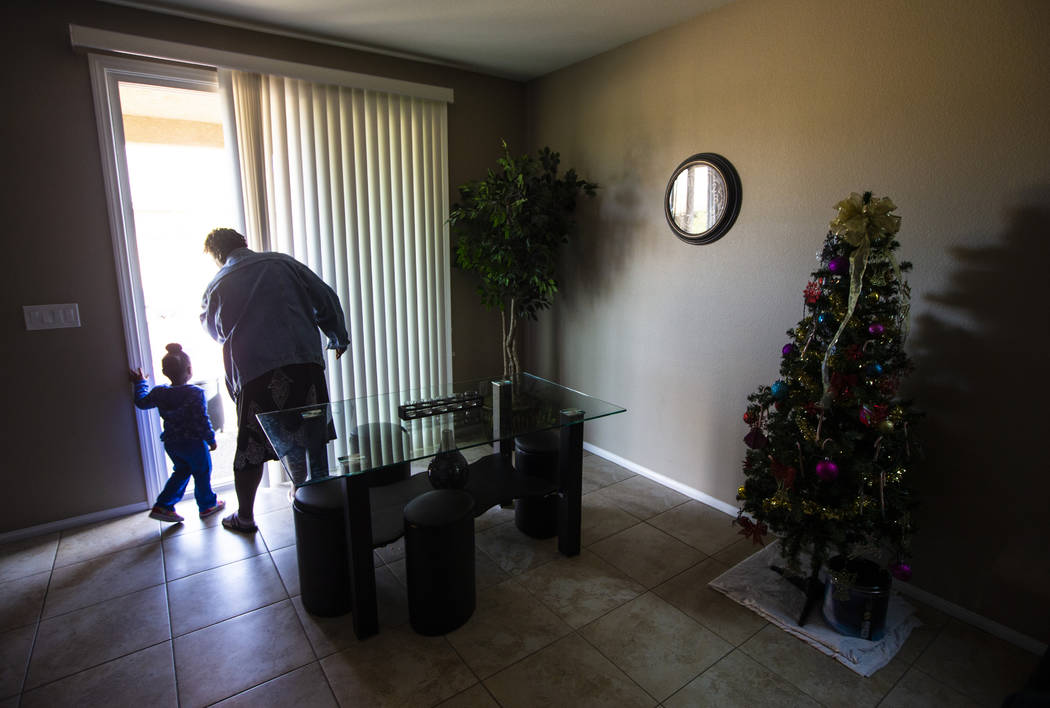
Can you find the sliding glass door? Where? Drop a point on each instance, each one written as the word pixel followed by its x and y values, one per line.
pixel 170 179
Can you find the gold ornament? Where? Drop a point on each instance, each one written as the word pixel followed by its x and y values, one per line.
pixel 806 429
pixel 886 426
pixel 740 492
pixel 772 504
pixel 830 515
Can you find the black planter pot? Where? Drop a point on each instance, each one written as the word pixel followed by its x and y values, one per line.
pixel 856 596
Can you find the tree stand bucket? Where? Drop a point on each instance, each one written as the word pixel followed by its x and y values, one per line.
pixel 856 596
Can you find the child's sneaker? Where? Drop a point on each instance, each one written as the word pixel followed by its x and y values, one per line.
pixel 161 514
pixel 219 506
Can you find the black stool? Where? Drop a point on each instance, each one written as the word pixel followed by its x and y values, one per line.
pixel 320 533
pixel 439 560
pixel 536 454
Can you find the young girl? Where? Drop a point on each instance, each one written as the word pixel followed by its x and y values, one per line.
pixel 187 436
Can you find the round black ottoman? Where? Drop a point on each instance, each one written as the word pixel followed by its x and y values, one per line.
pixel 439 560
pixel 320 534
pixel 536 454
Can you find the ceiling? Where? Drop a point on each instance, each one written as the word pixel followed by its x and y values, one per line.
pixel 517 39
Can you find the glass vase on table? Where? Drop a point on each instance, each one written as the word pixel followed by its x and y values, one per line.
pixel 449 468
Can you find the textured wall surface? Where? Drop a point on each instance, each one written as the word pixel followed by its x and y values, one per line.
pixel 939 105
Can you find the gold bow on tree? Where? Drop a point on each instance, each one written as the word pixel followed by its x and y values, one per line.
pixel 858 220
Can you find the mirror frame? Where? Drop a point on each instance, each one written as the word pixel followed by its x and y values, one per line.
pixel 733 198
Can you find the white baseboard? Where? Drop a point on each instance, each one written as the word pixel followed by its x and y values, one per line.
pixel 72 522
pixel 711 501
pixel 104 515
pixel 949 608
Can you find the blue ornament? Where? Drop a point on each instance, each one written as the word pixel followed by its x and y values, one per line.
pixel 874 369
pixel 779 389
pixel 822 317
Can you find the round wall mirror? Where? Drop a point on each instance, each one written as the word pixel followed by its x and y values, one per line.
pixel 703 198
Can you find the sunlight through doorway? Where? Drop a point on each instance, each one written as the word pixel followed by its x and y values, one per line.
pixel 181 188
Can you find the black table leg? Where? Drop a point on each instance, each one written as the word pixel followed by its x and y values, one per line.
pixel 359 545
pixel 502 424
pixel 570 481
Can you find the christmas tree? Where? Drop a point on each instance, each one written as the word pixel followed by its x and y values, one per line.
pixel 831 445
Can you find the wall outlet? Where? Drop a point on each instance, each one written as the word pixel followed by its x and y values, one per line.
pixel 51 316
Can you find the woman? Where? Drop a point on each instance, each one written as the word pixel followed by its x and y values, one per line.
pixel 266 309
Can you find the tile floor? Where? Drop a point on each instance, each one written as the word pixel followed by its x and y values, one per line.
pixel 135 612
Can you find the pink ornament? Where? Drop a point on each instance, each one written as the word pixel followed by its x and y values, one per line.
pixel 827 470
pixel 838 265
pixel 876 329
pixel 901 571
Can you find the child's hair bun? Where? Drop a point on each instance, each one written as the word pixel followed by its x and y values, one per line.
pixel 174 348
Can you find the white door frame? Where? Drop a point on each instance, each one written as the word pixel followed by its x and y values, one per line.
pixel 106 73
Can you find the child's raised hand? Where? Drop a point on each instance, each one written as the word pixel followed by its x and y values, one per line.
pixel 136 375
pixel 212 446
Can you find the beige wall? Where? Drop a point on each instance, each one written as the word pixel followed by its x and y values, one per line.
pixel 941 105
pixel 69 437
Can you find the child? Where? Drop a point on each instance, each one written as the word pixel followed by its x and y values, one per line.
pixel 187 435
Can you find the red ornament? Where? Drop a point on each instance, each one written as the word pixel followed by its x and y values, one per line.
pixel 842 384
pixel 748 418
pixel 751 530
pixel 812 293
pixel 785 474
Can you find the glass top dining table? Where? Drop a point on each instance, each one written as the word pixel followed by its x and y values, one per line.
pixel 315 443
pixel 369 443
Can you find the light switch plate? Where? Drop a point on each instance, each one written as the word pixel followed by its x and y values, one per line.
pixel 51 316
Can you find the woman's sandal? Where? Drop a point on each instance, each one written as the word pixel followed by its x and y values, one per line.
pixel 233 522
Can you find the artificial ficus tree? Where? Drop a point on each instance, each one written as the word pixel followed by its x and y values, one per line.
pixel 508 228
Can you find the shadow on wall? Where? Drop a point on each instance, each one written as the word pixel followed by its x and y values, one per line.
pixel 982 377
pixel 591 265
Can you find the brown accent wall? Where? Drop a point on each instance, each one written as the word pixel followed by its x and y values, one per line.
pixel 69 436
pixel 939 104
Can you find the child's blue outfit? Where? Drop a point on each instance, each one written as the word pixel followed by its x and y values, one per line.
pixel 187 436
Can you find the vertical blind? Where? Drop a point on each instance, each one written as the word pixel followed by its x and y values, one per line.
pixel 353 183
